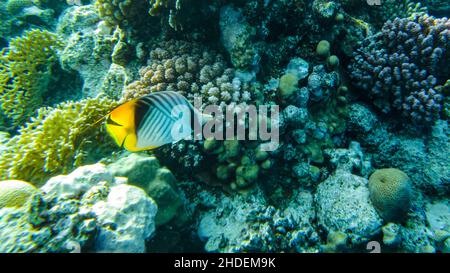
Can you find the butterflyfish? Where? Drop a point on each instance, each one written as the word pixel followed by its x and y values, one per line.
pixel 151 121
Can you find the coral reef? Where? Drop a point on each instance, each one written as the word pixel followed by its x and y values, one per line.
pixel 361 95
pixel 403 65
pixel 25 72
pixel 57 140
pixel 390 193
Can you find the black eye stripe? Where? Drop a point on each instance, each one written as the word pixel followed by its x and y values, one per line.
pixel 109 121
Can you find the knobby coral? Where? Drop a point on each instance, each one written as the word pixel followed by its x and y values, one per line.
pixel 122 12
pixel 403 65
pixel 56 141
pixel 193 71
pixel 25 70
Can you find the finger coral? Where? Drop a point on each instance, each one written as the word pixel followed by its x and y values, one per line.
pixel 403 66
pixel 25 71
pixel 56 141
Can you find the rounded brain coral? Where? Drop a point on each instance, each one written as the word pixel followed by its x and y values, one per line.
pixel 390 193
pixel 15 193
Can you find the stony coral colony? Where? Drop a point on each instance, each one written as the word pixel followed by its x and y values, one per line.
pixel 364 106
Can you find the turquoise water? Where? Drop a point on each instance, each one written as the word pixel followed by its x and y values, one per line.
pixel 307 127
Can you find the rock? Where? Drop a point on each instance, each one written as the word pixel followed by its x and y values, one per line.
pixel 336 242
pixel 343 205
pixel 416 236
pixel 349 160
pixel 17 235
pixel 55 227
pixel 438 215
pixel 361 119
pixel 158 182
pixel 391 234
pixel 298 67
pixel 126 219
pixel 88 50
pixel 248 224
pixel 237 36
pixel 78 181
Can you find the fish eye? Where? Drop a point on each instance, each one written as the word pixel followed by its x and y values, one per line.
pixel 109 121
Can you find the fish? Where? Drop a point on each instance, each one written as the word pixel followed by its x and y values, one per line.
pixel 149 122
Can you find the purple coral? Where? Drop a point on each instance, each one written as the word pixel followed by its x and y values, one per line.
pixel 402 65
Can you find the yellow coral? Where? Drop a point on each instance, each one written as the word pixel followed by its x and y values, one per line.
pixel 16 193
pixel 56 141
pixel 24 73
pixel 390 193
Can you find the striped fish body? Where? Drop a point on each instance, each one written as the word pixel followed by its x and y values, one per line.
pixel 151 121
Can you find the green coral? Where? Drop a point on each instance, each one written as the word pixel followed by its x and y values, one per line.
pixel 288 85
pixel 16 193
pixel 390 192
pixel 323 49
pixel 237 164
pixel 25 71
pixel 56 140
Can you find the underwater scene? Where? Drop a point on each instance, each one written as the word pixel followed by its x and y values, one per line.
pixel 224 126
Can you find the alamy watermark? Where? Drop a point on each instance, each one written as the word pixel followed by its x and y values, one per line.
pixel 378 2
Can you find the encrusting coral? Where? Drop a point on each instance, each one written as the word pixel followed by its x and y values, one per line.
pixel 56 141
pixel 25 71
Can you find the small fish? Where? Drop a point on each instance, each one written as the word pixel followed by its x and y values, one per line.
pixel 151 121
